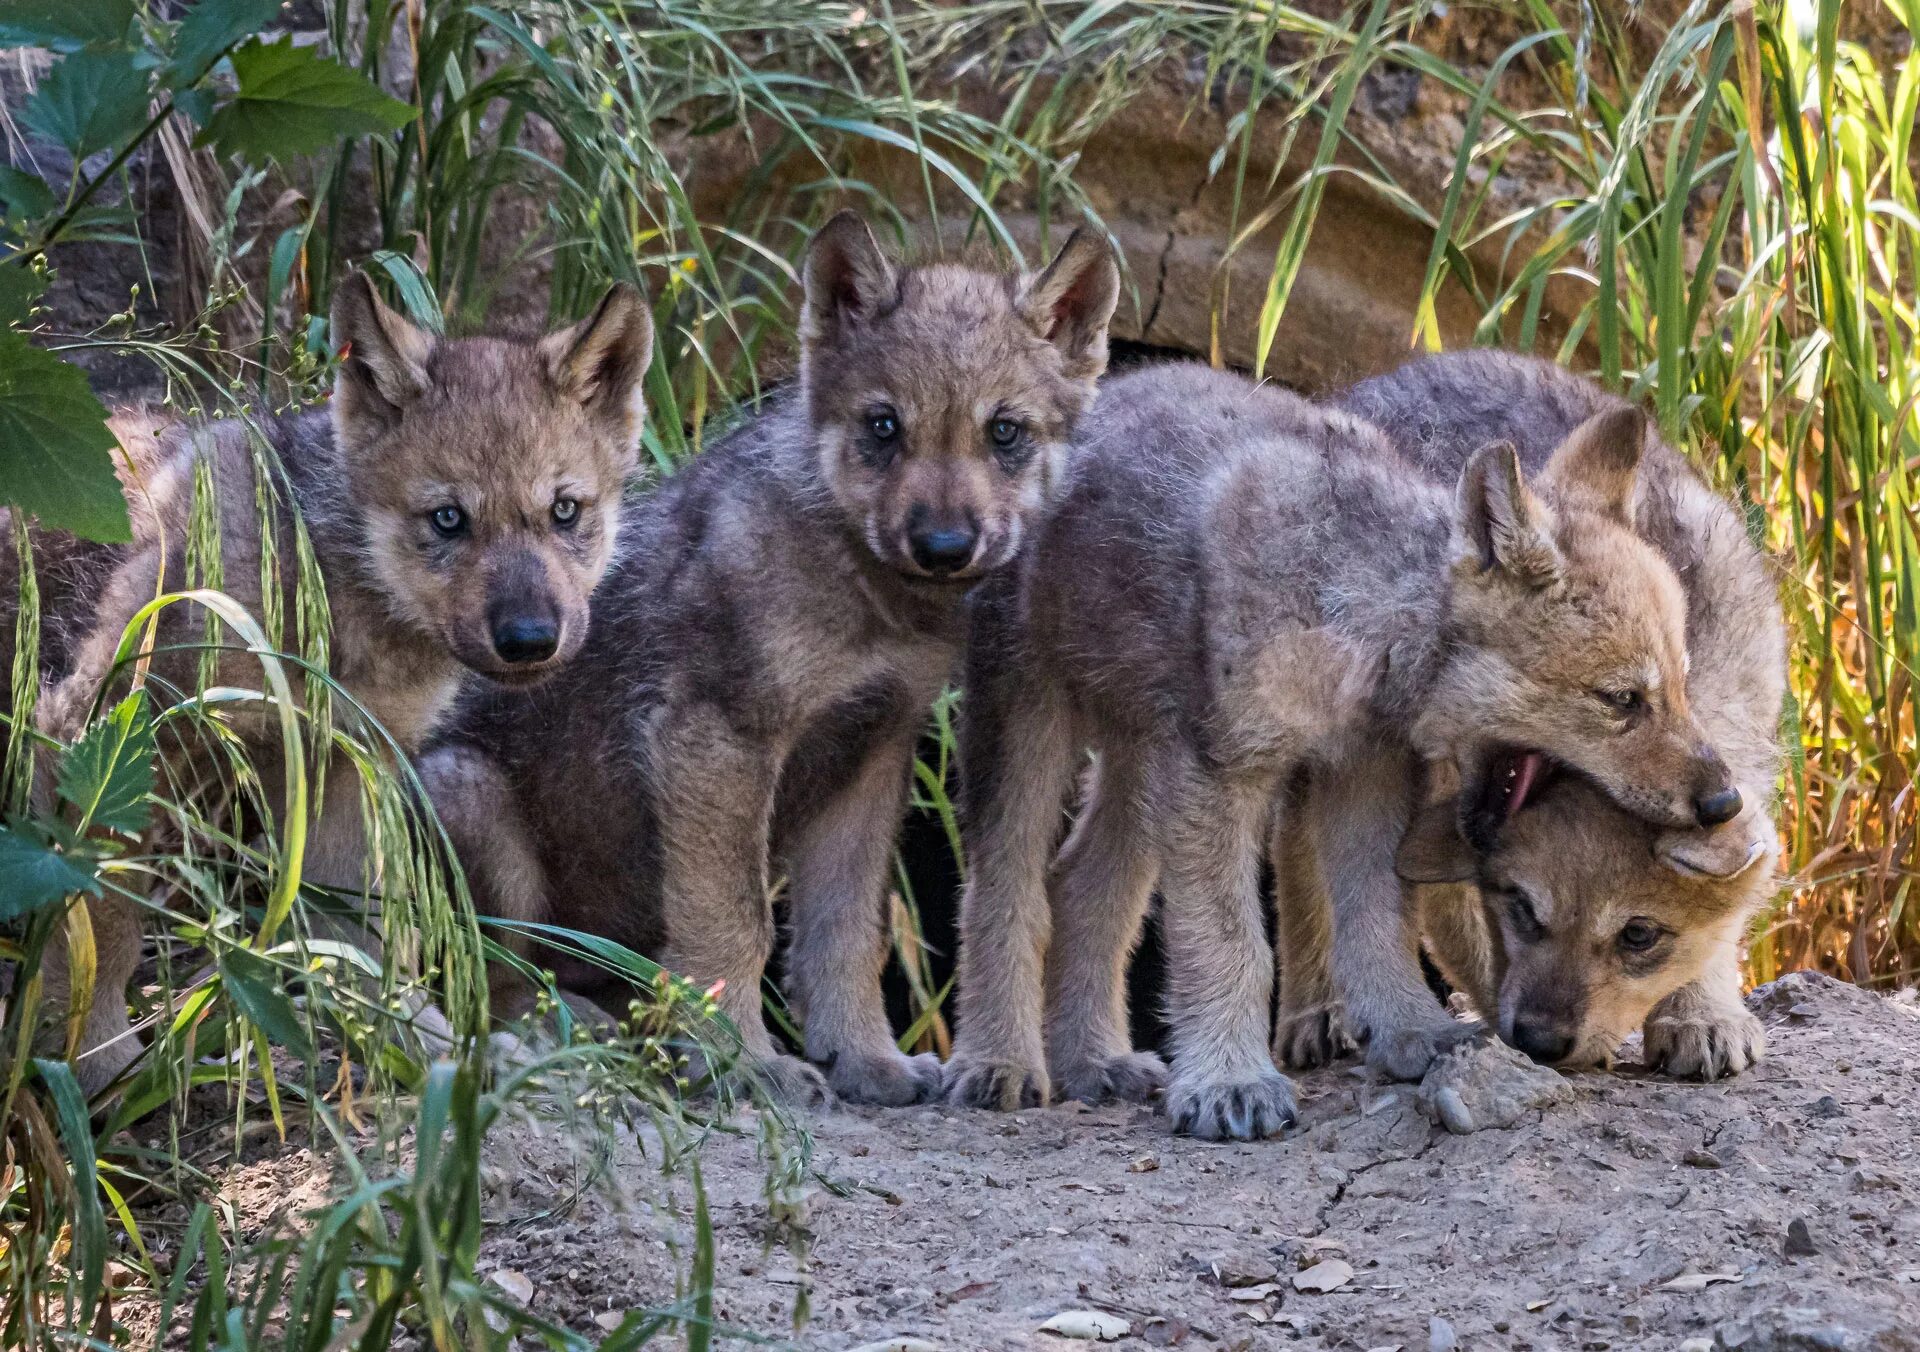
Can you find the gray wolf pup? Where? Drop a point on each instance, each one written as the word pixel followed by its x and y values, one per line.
pixel 1240 584
pixel 462 500
pixel 770 647
pixel 1573 923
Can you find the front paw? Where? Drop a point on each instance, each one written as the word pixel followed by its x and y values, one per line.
pixel 790 1081
pixel 1133 1077
pixel 1709 1045
pixel 889 1079
pixel 972 1082
pixel 1311 1038
pixel 1248 1111
pixel 1406 1053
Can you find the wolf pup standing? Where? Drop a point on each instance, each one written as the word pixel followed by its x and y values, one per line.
pixel 1239 584
pixel 462 500
pixel 1578 922
pixel 772 643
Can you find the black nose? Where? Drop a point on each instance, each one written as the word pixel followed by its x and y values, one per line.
pixel 944 550
pixel 526 638
pixel 1717 807
pixel 1544 1042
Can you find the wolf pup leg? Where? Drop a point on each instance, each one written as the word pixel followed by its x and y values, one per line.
pixel 1220 966
pixel 1308 1030
pixel 1099 893
pixel 1704 1031
pixel 837 871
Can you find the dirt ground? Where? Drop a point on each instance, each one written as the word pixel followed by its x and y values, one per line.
pixel 1779 1210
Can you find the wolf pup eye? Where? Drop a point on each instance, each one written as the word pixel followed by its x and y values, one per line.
pixel 1526 923
pixel 1622 702
pixel 1006 433
pixel 1638 935
pixel 449 521
pixel 566 511
pixel 883 434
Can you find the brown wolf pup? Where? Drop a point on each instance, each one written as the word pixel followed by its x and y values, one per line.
pixel 1577 922
pixel 1238 585
pixel 772 644
pixel 462 501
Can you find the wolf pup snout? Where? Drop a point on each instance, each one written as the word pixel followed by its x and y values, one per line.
pixel 1716 801
pixel 940 544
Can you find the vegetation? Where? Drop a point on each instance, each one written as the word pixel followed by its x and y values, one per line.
pixel 1731 234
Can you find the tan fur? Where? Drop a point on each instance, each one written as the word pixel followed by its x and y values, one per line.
pixel 751 703
pixel 501 430
pixel 1586 869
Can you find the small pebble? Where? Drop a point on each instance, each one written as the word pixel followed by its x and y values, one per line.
pixel 1799 1239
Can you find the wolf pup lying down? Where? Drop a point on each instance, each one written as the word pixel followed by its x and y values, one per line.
pixel 1239 584
pixel 461 497
pixel 769 649
pixel 1575 922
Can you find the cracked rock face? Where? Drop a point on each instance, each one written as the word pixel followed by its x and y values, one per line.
pixel 1485 1083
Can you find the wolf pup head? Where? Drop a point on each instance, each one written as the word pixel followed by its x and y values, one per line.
pixel 942 396
pixel 489 472
pixel 1596 916
pixel 1567 641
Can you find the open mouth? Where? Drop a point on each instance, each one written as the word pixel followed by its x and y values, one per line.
pixel 1513 777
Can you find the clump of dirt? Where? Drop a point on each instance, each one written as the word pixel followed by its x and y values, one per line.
pixel 1778 1210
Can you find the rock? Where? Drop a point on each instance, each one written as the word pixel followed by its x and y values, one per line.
pixel 1329 1274
pixel 1440 1336
pixel 1485 1083
pixel 1701 1159
pixel 1799 1242
pixel 1088 1326
pixel 1789 1329
pixel 1244 1270
pixel 1826 1106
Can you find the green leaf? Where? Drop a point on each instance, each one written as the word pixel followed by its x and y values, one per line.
pixel 109 774
pixel 89 1219
pixel 63 25
pixel 211 27
pixel 20 287
pixel 291 102
pixel 254 984
pixel 55 450
pixel 24 194
pixel 92 100
pixel 32 876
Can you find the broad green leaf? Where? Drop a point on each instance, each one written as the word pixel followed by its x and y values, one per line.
pixel 63 25
pixel 23 194
pixel 108 774
pixel 55 450
pixel 92 100
pixel 254 984
pixel 292 102
pixel 20 287
pixel 211 27
pixel 32 876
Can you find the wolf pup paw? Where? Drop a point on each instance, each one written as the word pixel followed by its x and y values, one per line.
pixel 891 1081
pixel 1708 1046
pixel 1310 1038
pixel 995 1084
pixel 1132 1078
pixel 794 1082
pixel 1233 1112
pixel 1405 1053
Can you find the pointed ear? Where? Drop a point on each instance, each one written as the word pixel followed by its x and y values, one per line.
pixel 1433 850
pixel 1598 466
pixel 1723 853
pixel 1072 302
pixel 848 279
pixel 602 360
pixel 1498 521
pixel 383 366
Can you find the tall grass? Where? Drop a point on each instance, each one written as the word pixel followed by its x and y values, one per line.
pixel 1731 234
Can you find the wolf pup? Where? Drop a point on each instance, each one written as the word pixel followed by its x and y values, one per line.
pixel 1574 922
pixel 772 644
pixel 1239 584
pixel 462 501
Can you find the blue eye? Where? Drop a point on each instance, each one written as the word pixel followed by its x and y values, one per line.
pixel 566 511
pixel 449 521
pixel 1006 433
pixel 884 424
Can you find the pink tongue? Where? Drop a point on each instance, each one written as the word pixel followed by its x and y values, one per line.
pixel 1525 770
